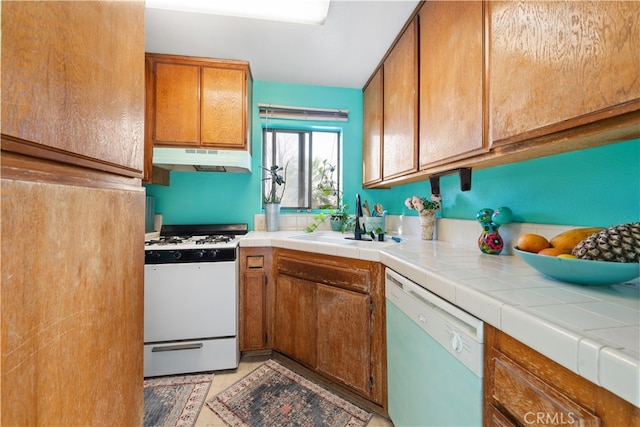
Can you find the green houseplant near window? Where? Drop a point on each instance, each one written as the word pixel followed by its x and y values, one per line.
pixel 271 198
pixel 338 215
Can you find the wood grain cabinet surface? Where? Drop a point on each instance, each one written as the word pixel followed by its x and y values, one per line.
pixel 400 100
pixel 257 289
pixel 557 65
pixel 500 82
pixel 71 300
pixel 198 102
pixel 372 100
pixel 451 81
pixel 330 317
pixel 524 388
pixel 65 97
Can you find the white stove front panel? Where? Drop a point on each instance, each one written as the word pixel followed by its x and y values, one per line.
pixel 190 301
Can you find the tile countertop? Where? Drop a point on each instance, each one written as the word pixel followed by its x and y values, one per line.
pixel 592 330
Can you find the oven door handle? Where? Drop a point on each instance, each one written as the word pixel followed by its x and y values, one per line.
pixel 176 347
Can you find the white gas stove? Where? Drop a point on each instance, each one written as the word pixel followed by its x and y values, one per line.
pixel 191 299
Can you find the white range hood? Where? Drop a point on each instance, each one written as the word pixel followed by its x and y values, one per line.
pixel 202 160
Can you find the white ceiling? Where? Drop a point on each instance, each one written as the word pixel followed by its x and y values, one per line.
pixel 343 52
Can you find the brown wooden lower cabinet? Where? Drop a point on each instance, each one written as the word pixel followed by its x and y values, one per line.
pixel 345 329
pixel 295 319
pixel 256 299
pixel 329 316
pixel 524 388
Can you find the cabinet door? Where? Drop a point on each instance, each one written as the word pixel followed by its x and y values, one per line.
pixel 523 387
pixel 177 111
pixel 451 80
pixel 400 142
pixel 559 65
pixel 372 130
pixel 73 83
pixel 224 107
pixel 253 332
pixel 531 401
pixel 344 336
pixel 295 319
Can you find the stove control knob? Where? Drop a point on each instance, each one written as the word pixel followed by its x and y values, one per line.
pixel 199 254
pixel 177 254
pixel 213 253
pixel 152 255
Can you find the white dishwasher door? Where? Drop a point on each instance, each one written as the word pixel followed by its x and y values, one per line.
pixel 434 358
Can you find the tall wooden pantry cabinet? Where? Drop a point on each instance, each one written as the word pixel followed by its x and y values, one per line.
pixel 71 297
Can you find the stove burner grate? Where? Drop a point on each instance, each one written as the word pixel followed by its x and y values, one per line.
pixel 214 239
pixel 198 240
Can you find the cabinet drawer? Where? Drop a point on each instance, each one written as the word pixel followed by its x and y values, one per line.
pixel 190 356
pixel 255 261
pixel 346 277
pixel 531 401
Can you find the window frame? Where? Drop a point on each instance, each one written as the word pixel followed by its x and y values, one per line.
pixel 303 148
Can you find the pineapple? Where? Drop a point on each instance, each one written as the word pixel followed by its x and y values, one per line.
pixel 620 243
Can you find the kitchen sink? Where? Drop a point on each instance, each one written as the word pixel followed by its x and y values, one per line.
pixel 337 238
pixel 326 237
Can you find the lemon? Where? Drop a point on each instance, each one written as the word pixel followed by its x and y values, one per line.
pixel 567 256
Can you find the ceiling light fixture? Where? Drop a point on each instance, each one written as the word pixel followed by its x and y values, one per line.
pixel 297 11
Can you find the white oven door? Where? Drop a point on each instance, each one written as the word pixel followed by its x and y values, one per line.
pixel 190 301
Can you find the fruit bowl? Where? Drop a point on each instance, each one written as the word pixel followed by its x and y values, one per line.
pixel 581 271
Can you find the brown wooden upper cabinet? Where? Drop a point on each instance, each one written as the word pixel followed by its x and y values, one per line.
pixel 198 101
pixel 500 82
pixel 372 130
pixel 63 98
pixel 560 65
pixel 400 100
pixel 451 81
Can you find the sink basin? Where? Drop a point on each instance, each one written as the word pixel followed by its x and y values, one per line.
pixel 338 239
pixel 328 237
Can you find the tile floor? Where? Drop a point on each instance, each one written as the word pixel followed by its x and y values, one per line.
pixel 224 379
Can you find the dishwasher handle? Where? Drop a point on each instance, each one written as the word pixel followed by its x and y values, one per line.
pixel 454 315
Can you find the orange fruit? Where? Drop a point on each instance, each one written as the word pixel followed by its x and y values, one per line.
pixel 532 243
pixel 569 239
pixel 551 252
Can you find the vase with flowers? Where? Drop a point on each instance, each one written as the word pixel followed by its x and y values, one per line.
pixel 277 177
pixel 426 212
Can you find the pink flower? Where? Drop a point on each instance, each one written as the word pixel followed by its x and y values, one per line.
pixel 408 204
pixel 417 203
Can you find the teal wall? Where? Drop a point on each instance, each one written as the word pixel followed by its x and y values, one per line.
pixel 201 197
pixel 593 187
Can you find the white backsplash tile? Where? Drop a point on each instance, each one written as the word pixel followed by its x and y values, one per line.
pixel 460 231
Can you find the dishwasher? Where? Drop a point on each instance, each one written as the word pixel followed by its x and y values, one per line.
pixel 434 358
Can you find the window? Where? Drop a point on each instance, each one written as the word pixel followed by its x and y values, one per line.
pixel 303 152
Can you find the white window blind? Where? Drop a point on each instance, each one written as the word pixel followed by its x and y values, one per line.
pixel 302 113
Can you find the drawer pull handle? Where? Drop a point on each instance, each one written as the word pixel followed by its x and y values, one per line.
pixel 177 347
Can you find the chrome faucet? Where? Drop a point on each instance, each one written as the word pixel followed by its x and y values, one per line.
pixel 359 230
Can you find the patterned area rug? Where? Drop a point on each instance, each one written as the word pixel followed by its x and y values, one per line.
pixel 272 395
pixel 175 401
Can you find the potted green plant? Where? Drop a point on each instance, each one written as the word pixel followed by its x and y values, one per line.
pixel 271 198
pixel 337 211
